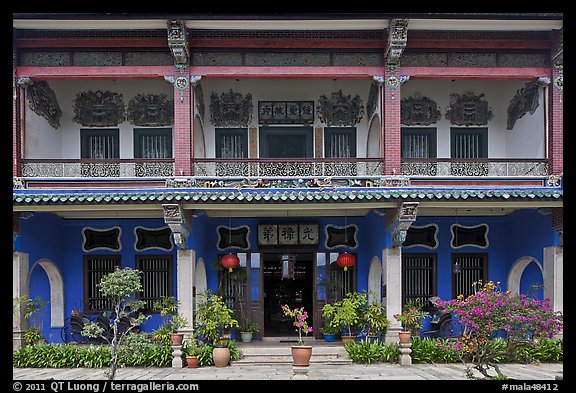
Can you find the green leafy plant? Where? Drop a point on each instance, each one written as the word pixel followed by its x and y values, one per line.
pixel 213 316
pixel 168 306
pixel 370 352
pixel 345 313
pixel 248 325
pixel 411 317
pixel 32 336
pixel 374 318
pixel 162 335
pixel 190 346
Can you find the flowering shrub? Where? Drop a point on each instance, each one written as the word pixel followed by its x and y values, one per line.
pixel 411 317
pixel 490 312
pixel 300 316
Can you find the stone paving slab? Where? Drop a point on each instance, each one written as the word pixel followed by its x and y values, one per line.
pixel 381 371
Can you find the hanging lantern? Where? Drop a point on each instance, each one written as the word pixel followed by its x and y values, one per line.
pixel 345 260
pixel 230 261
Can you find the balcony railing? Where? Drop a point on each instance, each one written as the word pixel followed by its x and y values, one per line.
pixel 346 167
pixel 474 167
pixel 98 168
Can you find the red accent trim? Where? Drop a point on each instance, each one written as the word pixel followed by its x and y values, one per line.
pixel 104 72
pixel 474 72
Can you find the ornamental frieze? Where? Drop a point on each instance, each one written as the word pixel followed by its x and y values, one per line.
pixel 340 110
pixel 178 43
pixel 468 110
pixel 99 109
pixel 150 110
pixel 231 109
pixel 42 101
pixel 397 39
pixel 419 110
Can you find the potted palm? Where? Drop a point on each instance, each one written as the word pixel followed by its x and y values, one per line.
pixel 301 353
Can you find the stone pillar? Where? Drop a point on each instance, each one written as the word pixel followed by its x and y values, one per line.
pixel 405 350
pixel 185 284
pixel 554 276
pixel 392 273
pixel 19 288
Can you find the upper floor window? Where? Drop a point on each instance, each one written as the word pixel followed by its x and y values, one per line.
pixel 340 142
pixel 99 143
pixel 469 142
pixel 152 143
pixel 231 142
pixel 418 142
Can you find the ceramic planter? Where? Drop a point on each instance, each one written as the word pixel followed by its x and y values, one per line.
pixel 192 361
pixel 246 337
pixel 301 355
pixel 404 337
pixel 221 356
pixel 177 338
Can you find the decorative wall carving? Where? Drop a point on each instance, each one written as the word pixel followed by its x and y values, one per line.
pixel 419 110
pixel 99 109
pixel 400 220
pixel 340 110
pixel 150 110
pixel 231 109
pixel 468 110
pixel 42 101
pixel 525 101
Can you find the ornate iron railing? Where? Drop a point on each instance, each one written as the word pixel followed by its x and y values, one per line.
pixel 98 168
pixel 288 168
pixel 474 167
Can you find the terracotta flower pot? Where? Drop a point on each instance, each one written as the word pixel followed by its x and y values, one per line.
pixel 301 355
pixel 404 337
pixel 192 361
pixel 177 338
pixel 221 356
pixel 347 339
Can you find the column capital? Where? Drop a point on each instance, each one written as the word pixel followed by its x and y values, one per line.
pixel 399 222
pixel 174 217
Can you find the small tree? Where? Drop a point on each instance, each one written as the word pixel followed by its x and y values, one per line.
pixel 213 316
pixel 120 287
pixel 490 312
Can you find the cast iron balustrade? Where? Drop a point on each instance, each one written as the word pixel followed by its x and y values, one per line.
pixel 290 167
pixel 474 167
pixel 98 167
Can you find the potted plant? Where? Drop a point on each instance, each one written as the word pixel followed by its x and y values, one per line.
pixel 411 319
pixel 168 333
pixel 213 317
pixel 301 353
pixel 374 319
pixel 330 328
pixel 34 310
pixel 346 314
pixel 177 322
pixel 247 328
pixel 191 351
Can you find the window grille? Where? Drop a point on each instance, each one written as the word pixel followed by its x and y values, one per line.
pixel 95 268
pixel 418 143
pixel 99 144
pixel 231 143
pixel 340 142
pixel 152 143
pixel 469 143
pixel 473 268
pixel 156 278
pixel 418 277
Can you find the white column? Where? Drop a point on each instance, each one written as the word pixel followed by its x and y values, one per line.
pixel 19 288
pixel 554 276
pixel 392 275
pixel 185 284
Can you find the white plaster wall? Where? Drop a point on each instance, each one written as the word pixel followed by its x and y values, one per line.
pixel 43 141
pixel 525 140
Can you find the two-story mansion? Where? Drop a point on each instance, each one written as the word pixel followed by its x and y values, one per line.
pixel 427 147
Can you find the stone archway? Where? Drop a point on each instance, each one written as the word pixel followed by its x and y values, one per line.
pixel 375 280
pixel 56 290
pixel 515 274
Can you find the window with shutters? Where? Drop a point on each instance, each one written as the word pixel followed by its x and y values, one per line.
pixel 95 268
pixel 466 270
pixel 99 144
pixel 418 142
pixel 156 273
pixel 152 143
pixel 418 277
pixel 340 142
pixel 231 142
pixel 469 142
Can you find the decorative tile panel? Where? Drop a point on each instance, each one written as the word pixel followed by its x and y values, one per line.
pixel 97 58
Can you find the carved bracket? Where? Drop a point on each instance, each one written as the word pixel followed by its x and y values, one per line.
pixel 179 225
pixel 399 222
pixel 397 39
pixel 178 43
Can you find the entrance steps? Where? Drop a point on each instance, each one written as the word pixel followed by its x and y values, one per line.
pixel 276 350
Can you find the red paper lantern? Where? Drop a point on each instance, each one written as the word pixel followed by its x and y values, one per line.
pixel 230 261
pixel 345 260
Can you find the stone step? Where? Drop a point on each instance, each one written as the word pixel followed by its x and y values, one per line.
pixel 275 352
